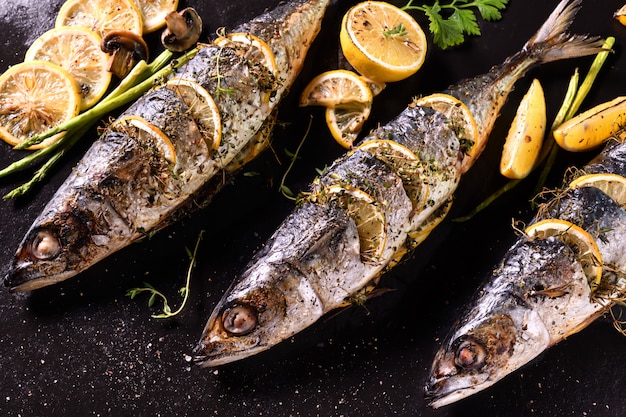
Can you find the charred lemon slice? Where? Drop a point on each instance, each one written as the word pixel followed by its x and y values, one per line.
pixel 581 242
pixel 404 163
pixel 252 47
pixel 462 122
pixel 612 185
pixel 147 130
pixel 382 42
pixel 202 108
pixel 35 97
pixel 77 50
pixel 592 128
pixel 345 121
pixel 332 88
pixel 153 13
pixel 523 142
pixel 101 16
pixel 368 216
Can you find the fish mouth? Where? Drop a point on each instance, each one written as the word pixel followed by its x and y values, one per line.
pixel 22 279
pixel 440 392
pixel 222 351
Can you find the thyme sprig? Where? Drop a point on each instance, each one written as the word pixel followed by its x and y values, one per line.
pixel 183 291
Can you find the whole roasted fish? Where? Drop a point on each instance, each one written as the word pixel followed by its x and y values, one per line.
pixel 369 208
pixel 127 186
pixel 539 293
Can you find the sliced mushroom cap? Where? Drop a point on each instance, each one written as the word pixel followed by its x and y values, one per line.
pixel 126 49
pixel 183 30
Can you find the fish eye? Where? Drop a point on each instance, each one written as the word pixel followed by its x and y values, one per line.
pixel 239 320
pixel 45 245
pixel 470 355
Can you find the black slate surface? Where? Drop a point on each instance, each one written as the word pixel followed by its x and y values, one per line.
pixel 83 348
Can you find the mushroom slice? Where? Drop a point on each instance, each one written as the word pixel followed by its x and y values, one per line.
pixel 183 30
pixel 126 49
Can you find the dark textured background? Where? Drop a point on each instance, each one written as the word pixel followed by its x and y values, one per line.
pixel 83 348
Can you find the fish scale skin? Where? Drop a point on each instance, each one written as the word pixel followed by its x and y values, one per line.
pixel 541 286
pixel 140 192
pixel 431 136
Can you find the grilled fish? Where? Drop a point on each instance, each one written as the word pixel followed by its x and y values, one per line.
pixel 126 188
pixel 368 209
pixel 538 294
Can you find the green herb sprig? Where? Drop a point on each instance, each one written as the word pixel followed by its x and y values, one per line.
pixel 449 23
pixel 183 291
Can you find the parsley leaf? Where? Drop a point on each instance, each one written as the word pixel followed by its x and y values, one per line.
pixel 449 23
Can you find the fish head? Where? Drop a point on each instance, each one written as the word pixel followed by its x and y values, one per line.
pixel 272 304
pixel 63 241
pixel 538 296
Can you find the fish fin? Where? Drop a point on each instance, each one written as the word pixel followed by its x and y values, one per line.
pixel 553 40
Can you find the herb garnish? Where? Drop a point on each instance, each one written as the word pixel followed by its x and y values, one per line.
pixel 449 23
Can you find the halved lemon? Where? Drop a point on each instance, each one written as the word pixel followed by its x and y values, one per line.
pixel 581 242
pixel 153 13
pixel 345 121
pixel 368 216
pixel 461 121
pixel 147 130
pixel 404 163
pixel 253 48
pixel 202 108
pixel 335 87
pixel 101 16
pixel 77 50
pixel 613 185
pixel 35 97
pixel 382 42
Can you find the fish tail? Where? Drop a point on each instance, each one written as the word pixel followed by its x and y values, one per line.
pixel 553 42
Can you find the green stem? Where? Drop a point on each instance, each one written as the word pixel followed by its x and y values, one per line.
pixel 283 188
pixel 39 176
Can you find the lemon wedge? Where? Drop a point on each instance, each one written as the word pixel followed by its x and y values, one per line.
pixel 35 97
pixel 346 121
pixel 525 138
pixel 382 42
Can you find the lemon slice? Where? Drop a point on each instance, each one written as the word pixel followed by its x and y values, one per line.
pixel 77 50
pixel 202 108
pixel 612 185
pixel 252 47
pixel 382 42
pixel 101 16
pixel 145 129
pixel 35 97
pixel 462 122
pixel 525 137
pixel 368 216
pixel 581 242
pixel 345 121
pixel 153 13
pixel 404 163
pixel 335 87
